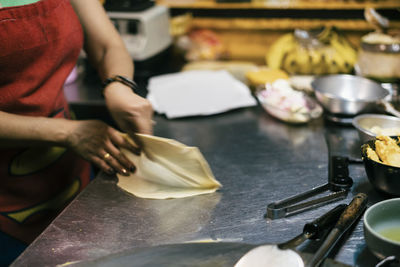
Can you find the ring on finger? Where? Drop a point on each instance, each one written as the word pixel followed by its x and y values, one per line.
pixel 106 156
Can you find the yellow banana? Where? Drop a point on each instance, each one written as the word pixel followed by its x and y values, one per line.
pixel 346 52
pixel 336 57
pixel 331 66
pixel 351 51
pixel 290 62
pixel 279 49
pixel 303 60
pixel 317 61
pixel 342 64
pixel 325 35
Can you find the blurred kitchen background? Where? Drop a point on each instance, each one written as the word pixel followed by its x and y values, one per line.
pixel 257 41
pixel 245 31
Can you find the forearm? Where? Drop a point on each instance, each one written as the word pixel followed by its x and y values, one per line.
pixel 108 54
pixel 90 139
pixel 20 131
pixel 115 61
pixel 103 44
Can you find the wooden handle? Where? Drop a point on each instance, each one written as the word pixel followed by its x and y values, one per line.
pixel 348 217
pixel 352 212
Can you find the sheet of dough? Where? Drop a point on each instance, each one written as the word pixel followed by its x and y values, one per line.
pixel 168 169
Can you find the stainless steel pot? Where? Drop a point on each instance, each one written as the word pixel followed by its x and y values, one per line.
pixel 350 95
pixel 365 122
pixel 379 57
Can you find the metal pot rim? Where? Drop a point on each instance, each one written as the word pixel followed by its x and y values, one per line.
pixel 382 48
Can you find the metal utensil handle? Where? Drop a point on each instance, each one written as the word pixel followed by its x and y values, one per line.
pixel 389 108
pixel 387 261
pixel 348 217
pixel 316 228
pixel 339 178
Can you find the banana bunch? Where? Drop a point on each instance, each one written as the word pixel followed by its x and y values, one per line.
pixel 329 53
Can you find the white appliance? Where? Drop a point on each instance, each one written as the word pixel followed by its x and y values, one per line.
pixel 145 33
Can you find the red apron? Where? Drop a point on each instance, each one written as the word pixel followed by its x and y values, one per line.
pixel 39 46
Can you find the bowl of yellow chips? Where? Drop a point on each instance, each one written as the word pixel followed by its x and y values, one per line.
pixel 381 159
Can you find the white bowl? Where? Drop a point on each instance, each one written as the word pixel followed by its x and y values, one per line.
pixel 381 217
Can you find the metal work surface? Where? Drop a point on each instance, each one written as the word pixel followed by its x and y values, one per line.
pixel 258 160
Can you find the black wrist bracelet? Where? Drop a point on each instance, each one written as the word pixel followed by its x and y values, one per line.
pixel 121 79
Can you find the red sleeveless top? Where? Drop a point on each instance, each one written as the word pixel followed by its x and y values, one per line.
pixel 39 46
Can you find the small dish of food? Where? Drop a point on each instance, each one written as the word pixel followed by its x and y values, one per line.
pixel 371 125
pixel 281 101
pixel 382 228
pixel 381 159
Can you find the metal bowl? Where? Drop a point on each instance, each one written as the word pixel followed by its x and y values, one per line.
pixel 350 95
pixel 363 124
pixel 384 178
pixel 382 217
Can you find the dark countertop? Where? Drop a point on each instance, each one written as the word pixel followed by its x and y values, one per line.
pixel 258 160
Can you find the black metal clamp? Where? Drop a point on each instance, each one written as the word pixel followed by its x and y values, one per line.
pixel 339 184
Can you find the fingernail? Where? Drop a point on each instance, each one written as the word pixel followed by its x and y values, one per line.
pixel 124 171
pixel 132 168
pixel 136 151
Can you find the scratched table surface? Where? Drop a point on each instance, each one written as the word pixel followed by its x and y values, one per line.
pixel 257 159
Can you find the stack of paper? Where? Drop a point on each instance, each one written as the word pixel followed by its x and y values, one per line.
pixel 198 92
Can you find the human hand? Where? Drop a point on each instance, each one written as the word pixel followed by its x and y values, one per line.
pixel 100 144
pixel 132 113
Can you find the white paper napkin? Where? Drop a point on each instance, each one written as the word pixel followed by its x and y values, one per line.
pixel 198 92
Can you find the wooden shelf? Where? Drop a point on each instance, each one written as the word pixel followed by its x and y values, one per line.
pixel 281 24
pixel 249 29
pixel 281 14
pixel 283 4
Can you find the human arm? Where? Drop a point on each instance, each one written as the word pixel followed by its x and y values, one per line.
pixel 107 52
pixel 91 139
